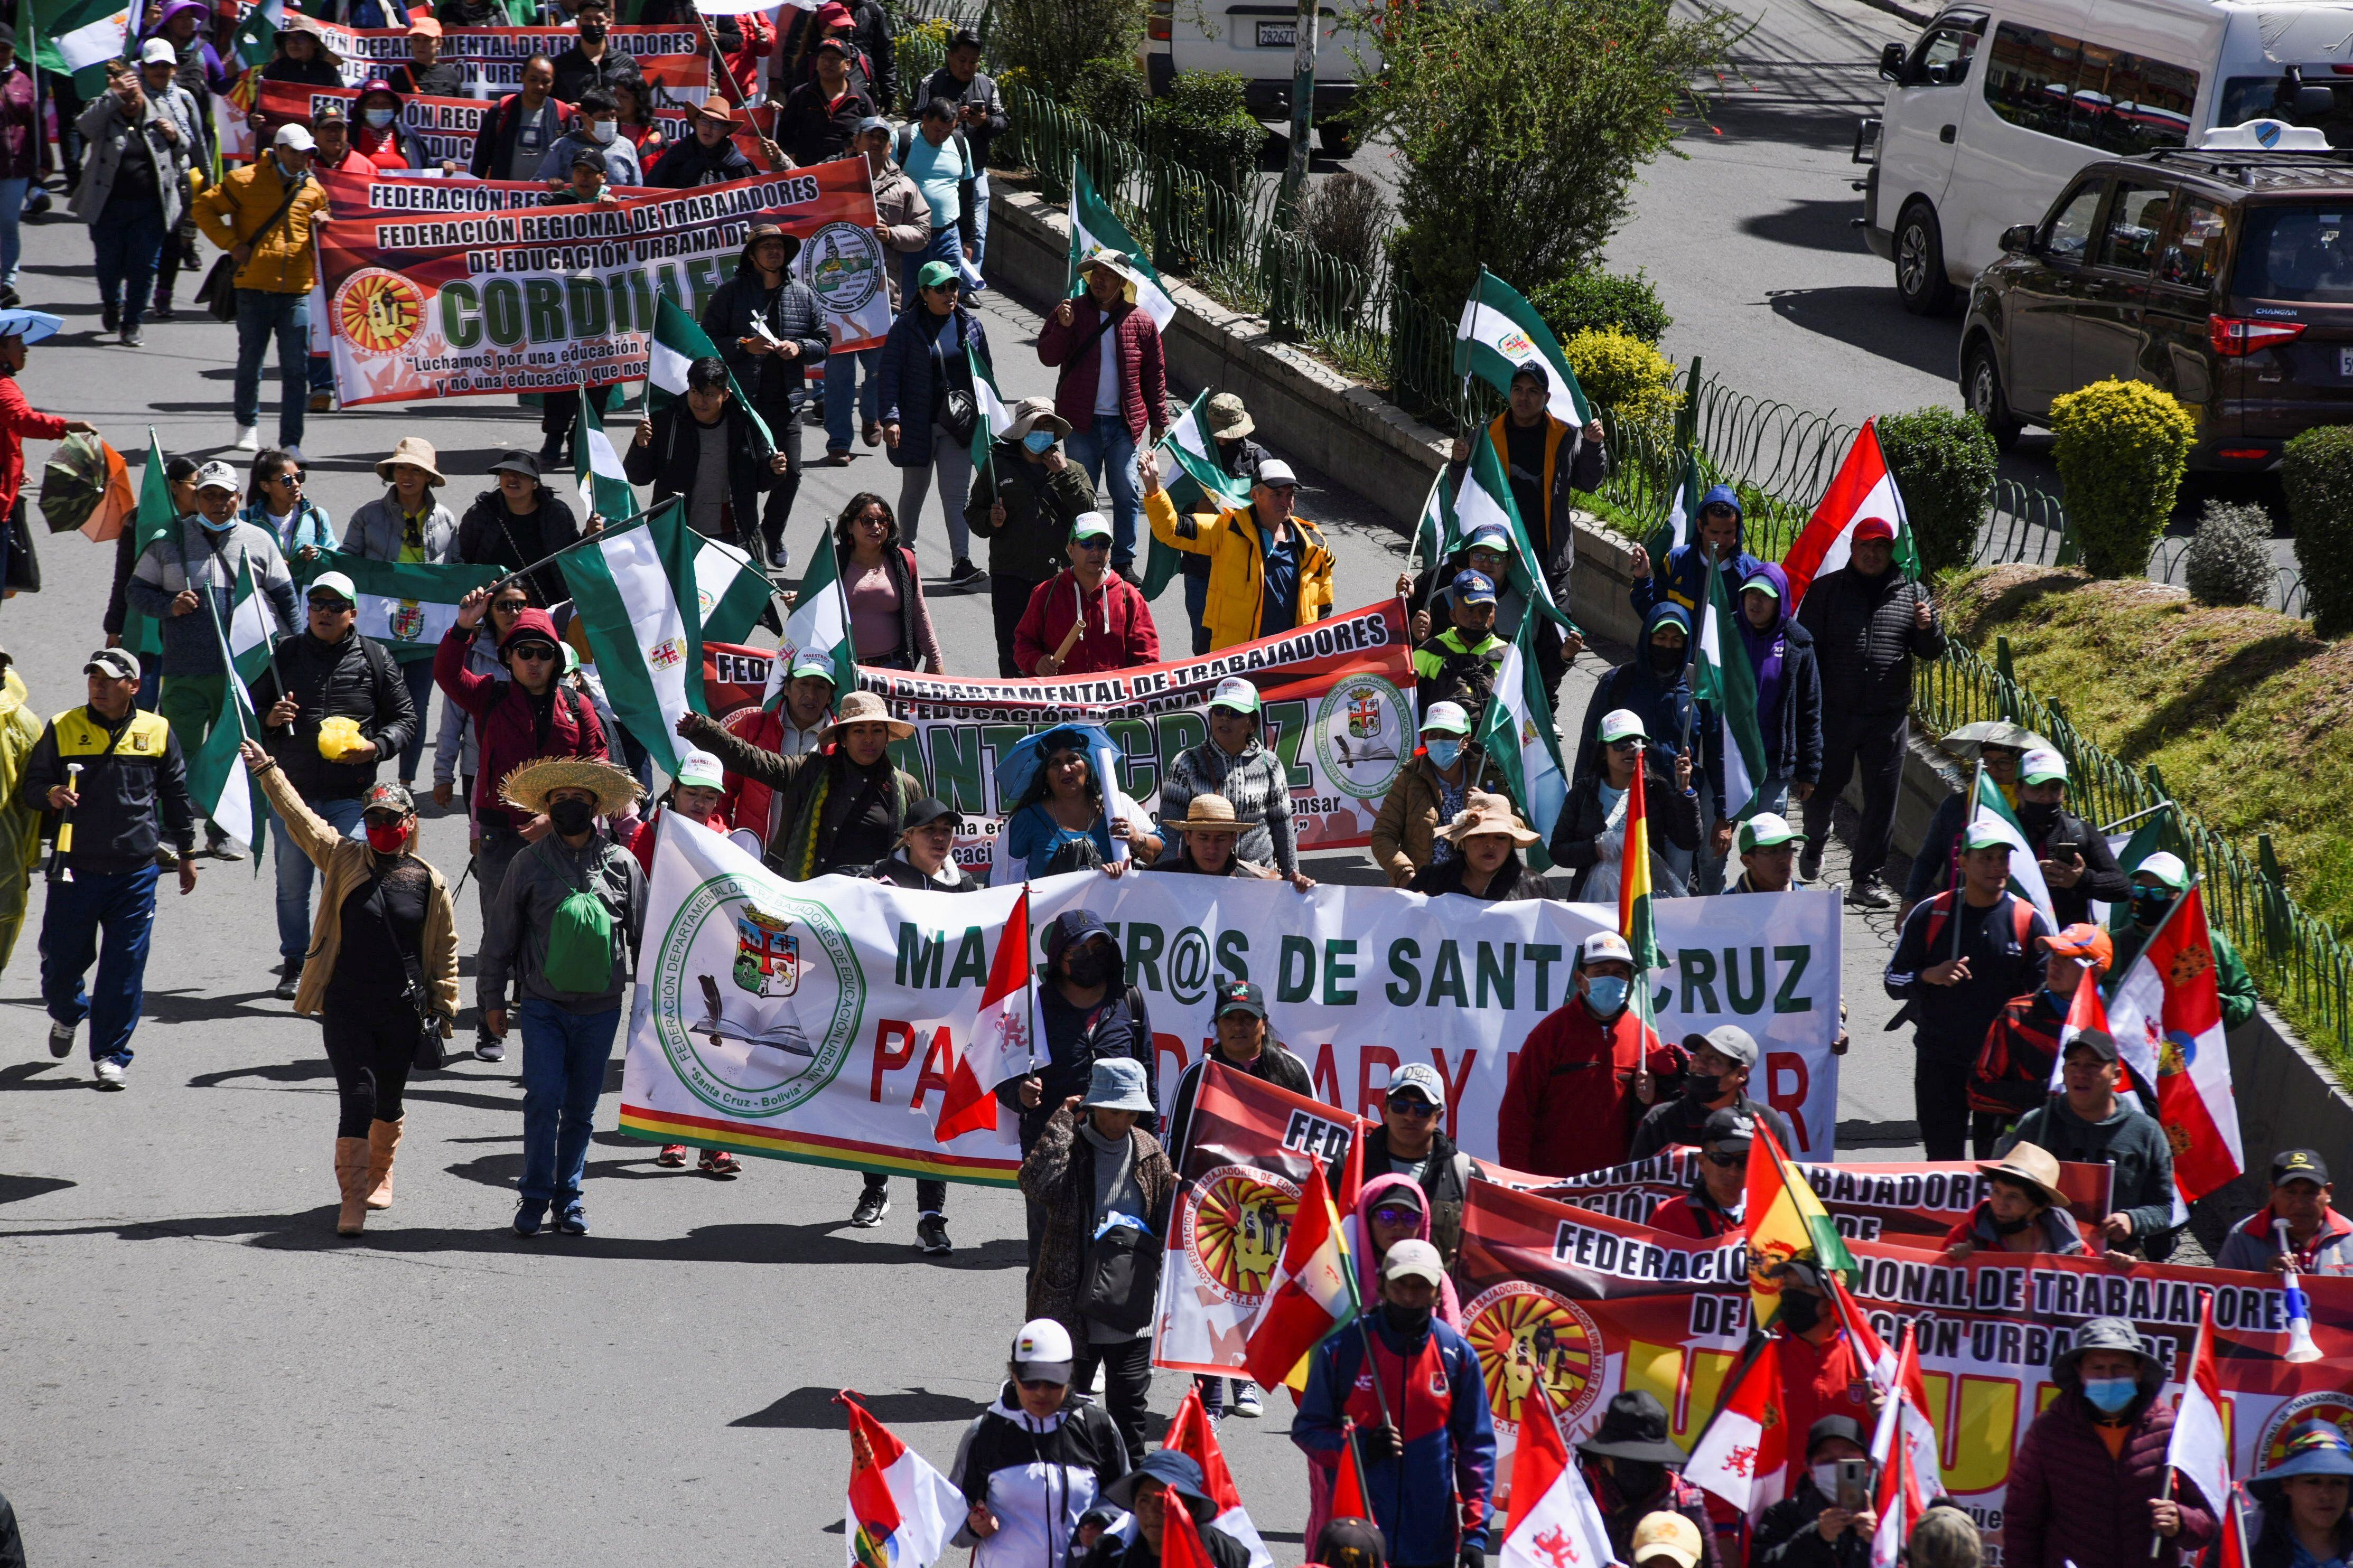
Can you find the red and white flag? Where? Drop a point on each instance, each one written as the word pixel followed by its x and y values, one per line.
pixel 1863 488
pixel 1180 1542
pixel 1311 1293
pixel 1001 1046
pixel 1191 1434
pixel 1554 1521
pixel 1743 1454
pixel 2200 1451
pixel 901 1511
pixel 1904 1446
pixel 2169 1014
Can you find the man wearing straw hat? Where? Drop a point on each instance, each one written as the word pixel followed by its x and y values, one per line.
pixel 562 929
pixel 840 807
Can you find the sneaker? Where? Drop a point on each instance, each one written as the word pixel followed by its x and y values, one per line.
pixel 132 338
pixel 161 312
pixel 872 1205
pixel 1869 893
pixel 486 1049
pixel 965 572
pixel 323 402
pixel 61 1039
pixel 109 1070
pixel 718 1163
pixel 530 1215
pixel 1809 866
pixel 288 982
pixel 932 1236
pixel 9 298
pixel 248 439
pixel 1246 1401
pixel 222 850
pixel 672 1155
pixel 780 558
pixel 109 318
pixel 573 1221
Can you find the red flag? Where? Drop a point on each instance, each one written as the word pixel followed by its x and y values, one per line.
pixel 1349 1497
pixel 900 1509
pixel 1904 1448
pixel 1312 1292
pixel 1743 1454
pixel 1180 1538
pixel 1863 488
pixel 1191 1434
pixel 1000 1047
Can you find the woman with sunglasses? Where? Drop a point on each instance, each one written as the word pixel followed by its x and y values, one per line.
pixel 890 623
pixel 374 995
pixel 1588 842
pixel 456 749
pixel 279 507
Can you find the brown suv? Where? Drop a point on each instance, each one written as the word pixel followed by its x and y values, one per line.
pixel 2223 277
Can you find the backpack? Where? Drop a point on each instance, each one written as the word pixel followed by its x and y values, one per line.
pixel 579 938
pixel 2012 1073
pixel 2022 917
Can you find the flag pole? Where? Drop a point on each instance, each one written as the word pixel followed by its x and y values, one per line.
pixel 2197 881
pixel 634 520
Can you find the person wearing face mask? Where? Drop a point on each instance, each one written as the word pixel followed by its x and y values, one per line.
pixel 2090 1123
pixel 205 555
pixel 1034 1463
pixel 2011 1075
pixel 1586 1073
pixel 1718 1202
pixel 1106 1190
pixel 1716 1080
pixel 2087 1486
pixel 1087 1010
pixel 1024 501
pixel 1413 1386
pixel 2157 883
pixel 1936 865
pixel 1808 1528
pixel 1588 842
pixel 567 980
pixel 595 61
pixel 377 134
pixel 598 134
pixel 2023 1211
pixel 1655 687
pixel 2076 863
pixel 397 976
pixel 261 214
pixel 1789 689
pixel 1633 1471
pixel 1822 1373
pixel 1431 790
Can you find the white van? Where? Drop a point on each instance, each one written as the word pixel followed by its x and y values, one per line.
pixel 1258 40
pixel 1998 103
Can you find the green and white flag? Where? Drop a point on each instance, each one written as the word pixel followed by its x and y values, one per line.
pixel 732 591
pixel 1723 681
pixel 1434 539
pixel 1500 331
pixel 255 40
pixel 1095 227
pixel 1677 529
pixel 408 607
pixel 1484 501
pixel 76 38
pixel 219 786
pixel 1516 732
pixel 2025 872
pixel 995 419
pixel 679 340
pixel 635 590
pixel 818 627
pixel 1191 453
pixel 597 466
pixel 153 519
pixel 249 626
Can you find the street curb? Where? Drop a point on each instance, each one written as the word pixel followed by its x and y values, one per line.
pixel 1917 19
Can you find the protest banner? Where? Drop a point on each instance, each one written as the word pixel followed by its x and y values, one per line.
pixel 1590 1306
pixel 490 59
pixel 422 304
pixel 814 1020
pixel 445 127
pixel 1338 708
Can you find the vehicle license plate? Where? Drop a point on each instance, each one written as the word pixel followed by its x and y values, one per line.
pixel 2345 362
pixel 1278 35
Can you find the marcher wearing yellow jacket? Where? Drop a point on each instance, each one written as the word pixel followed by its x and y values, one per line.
pixel 238 212
pixel 20 825
pixel 1237 548
pixel 262 215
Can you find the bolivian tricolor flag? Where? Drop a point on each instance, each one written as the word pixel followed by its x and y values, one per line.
pixel 1634 921
pixel 1787 1223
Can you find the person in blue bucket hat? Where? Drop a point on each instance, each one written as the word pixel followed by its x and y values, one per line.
pixel 2300 1518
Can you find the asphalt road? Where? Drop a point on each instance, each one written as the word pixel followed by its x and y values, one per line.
pixel 196 1370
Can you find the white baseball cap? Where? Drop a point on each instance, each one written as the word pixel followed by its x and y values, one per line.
pixel 1623 724
pixel 334 583
pixel 2042 765
pixel 1603 946
pixel 1235 693
pixel 700 770
pixel 297 137
pixel 1422 1079
pixel 1446 718
pixel 1042 1351
pixel 217 476
pixel 1274 473
pixel 158 51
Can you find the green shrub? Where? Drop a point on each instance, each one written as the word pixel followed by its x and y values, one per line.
pixel 1944 463
pixel 2122 447
pixel 1111 92
pixel 1050 43
pixel 2317 473
pixel 1201 124
pixel 1592 301
pixel 1624 375
pixel 2230 557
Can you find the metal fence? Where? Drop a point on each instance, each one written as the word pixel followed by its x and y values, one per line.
pixel 2295 958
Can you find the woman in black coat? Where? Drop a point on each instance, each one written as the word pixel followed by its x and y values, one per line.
pixel 518 523
pixel 1590 836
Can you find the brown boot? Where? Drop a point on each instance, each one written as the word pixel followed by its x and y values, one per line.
pixel 383 1142
pixel 351 1175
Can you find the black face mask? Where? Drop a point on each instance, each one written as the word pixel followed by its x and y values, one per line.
pixel 1638 1480
pixel 1407 1321
pixel 2039 816
pixel 2149 904
pixel 2012 1226
pixel 592 32
pixel 1667 661
pixel 1700 1086
pixel 1799 1310
pixel 1089 968
pixel 572 817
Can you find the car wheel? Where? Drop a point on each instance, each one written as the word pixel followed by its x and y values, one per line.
pixel 1981 390
pixel 1920 280
pixel 1337 141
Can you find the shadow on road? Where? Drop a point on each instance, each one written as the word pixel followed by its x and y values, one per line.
pixel 27 1075
pixel 16 1189
pixel 1869 319
pixel 1807 226
pixel 812 1409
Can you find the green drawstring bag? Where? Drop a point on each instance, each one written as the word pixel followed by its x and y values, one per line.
pixel 579 938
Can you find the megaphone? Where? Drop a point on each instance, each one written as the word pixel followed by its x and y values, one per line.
pixel 2300 1347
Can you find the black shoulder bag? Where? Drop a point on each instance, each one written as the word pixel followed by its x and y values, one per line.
pixel 953 409
pixel 427 1057
pixel 217 293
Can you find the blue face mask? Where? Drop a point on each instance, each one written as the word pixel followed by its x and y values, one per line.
pixel 2109 1396
pixel 1443 750
pixel 1039 441
pixel 1606 994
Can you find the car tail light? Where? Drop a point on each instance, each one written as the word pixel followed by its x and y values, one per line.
pixel 2245 454
pixel 2235 338
pixel 1158 27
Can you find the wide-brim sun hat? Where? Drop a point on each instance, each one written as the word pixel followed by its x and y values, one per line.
pixel 416 451
pixel 1207 813
pixel 529 784
pixel 1484 814
pixel 866 708
pixel 2314 1448
pixel 30 325
pixel 2029 1165
pixel 1031 413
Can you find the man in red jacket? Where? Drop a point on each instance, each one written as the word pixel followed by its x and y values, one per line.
pixel 1821 1374
pixel 1109 402
pixel 1089 617
pixel 2086 1485
pixel 1585 1074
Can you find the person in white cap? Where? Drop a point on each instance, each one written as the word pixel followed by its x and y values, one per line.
pixel 1955 982
pixel 1429 792
pixel 1034 1462
pixel 2156 882
pixel 1589 840
pixel 326 671
pixel 1235 763
pixel 261 214
pixel 144 133
pixel 2077 865
pixel 1586 1073
pixel 1269 569
pixel 205 555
